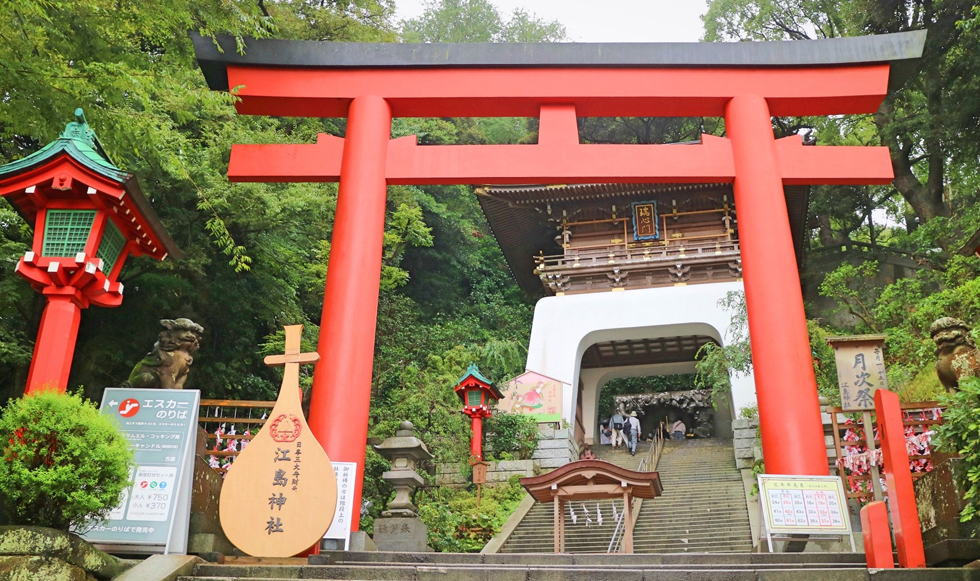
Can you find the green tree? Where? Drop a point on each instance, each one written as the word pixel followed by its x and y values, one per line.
pixel 925 124
pixel 478 21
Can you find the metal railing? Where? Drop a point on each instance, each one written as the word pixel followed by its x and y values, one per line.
pixel 647 464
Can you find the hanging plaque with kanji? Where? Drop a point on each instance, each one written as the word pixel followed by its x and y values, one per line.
pixel 279 496
pixel 860 369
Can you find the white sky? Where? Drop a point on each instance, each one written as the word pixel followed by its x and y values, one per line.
pixel 608 21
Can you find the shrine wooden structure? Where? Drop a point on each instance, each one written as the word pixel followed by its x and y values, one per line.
pixel 88 217
pixel 592 480
pixel 745 83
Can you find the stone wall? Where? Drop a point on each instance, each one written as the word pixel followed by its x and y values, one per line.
pixel 497 472
pixel 746 448
pixel 555 448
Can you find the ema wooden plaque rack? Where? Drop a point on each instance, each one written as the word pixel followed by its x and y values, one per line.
pixel 280 494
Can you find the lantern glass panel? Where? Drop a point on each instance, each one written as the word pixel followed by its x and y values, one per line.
pixel 66 232
pixel 112 244
pixel 474 398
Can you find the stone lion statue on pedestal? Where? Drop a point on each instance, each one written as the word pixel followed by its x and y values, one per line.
pixel 957 357
pixel 168 364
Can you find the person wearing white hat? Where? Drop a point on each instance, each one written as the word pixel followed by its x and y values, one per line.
pixel 634 432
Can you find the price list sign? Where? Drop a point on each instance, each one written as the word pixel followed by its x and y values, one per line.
pixel 804 504
pixel 154 512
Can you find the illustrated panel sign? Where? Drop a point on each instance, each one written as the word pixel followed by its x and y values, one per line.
pixel 645 226
pixel 533 394
pixel 346 473
pixel 860 370
pixel 154 511
pixel 803 504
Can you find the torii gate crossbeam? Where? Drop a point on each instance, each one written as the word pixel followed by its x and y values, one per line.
pixel 746 83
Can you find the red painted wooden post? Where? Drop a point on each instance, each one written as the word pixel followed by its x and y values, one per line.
pixel 877 536
pixel 342 379
pixel 789 413
pixel 898 478
pixel 55 345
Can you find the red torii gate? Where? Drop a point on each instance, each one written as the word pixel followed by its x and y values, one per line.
pixel 746 83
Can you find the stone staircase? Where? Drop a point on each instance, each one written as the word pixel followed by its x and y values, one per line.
pixel 538 567
pixel 702 509
pixel 536 532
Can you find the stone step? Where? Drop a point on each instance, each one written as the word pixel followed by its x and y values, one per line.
pixel 785 559
pixel 543 573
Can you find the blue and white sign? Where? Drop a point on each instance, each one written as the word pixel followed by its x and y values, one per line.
pixel 154 512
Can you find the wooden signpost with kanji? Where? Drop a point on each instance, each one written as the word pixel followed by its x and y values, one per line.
pixel 279 496
pixel 860 373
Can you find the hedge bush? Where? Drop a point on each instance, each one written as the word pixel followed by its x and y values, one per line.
pixel 64 464
pixel 509 436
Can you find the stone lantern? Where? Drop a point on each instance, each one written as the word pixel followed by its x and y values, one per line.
pixel 404 451
pixel 88 217
pixel 476 393
pixel 400 528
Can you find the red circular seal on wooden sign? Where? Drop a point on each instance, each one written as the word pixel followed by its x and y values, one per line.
pixel 285 428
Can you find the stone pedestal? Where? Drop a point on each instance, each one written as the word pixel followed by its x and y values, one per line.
pixel 400 534
pixel 205 534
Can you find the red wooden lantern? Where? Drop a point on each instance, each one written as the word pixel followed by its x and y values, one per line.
pixel 476 393
pixel 88 216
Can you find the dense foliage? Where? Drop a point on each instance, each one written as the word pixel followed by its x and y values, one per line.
pixel 960 434
pixel 256 254
pixel 509 436
pixel 64 465
pixel 455 523
pixel 921 220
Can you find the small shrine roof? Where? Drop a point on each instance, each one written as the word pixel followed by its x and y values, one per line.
pixel 474 371
pixel 79 142
pixel 592 473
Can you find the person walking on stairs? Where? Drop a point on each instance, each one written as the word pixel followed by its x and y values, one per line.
pixel 678 429
pixel 616 423
pixel 633 432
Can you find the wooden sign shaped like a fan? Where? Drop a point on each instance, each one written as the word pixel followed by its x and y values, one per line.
pixel 279 496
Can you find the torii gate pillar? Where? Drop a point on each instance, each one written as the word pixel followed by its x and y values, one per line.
pixel 342 377
pixel 784 379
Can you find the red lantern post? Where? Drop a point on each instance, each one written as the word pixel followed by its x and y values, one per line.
pixel 88 217
pixel 476 393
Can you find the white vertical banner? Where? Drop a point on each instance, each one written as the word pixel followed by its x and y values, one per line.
pixel 344 516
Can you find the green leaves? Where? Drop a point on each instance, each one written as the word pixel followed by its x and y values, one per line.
pixel 63 464
pixel 960 434
pixel 478 21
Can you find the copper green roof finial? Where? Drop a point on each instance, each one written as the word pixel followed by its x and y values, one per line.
pixel 474 371
pixel 79 129
pixel 77 140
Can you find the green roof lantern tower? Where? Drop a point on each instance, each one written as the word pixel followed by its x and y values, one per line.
pixel 476 393
pixel 88 217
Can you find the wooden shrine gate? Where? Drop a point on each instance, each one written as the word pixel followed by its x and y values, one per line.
pixel 745 83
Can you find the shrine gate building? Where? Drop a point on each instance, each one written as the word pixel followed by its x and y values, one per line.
pixel 744 83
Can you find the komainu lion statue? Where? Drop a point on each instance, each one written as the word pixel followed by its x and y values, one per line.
pixel 168 364
pixel 957 357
